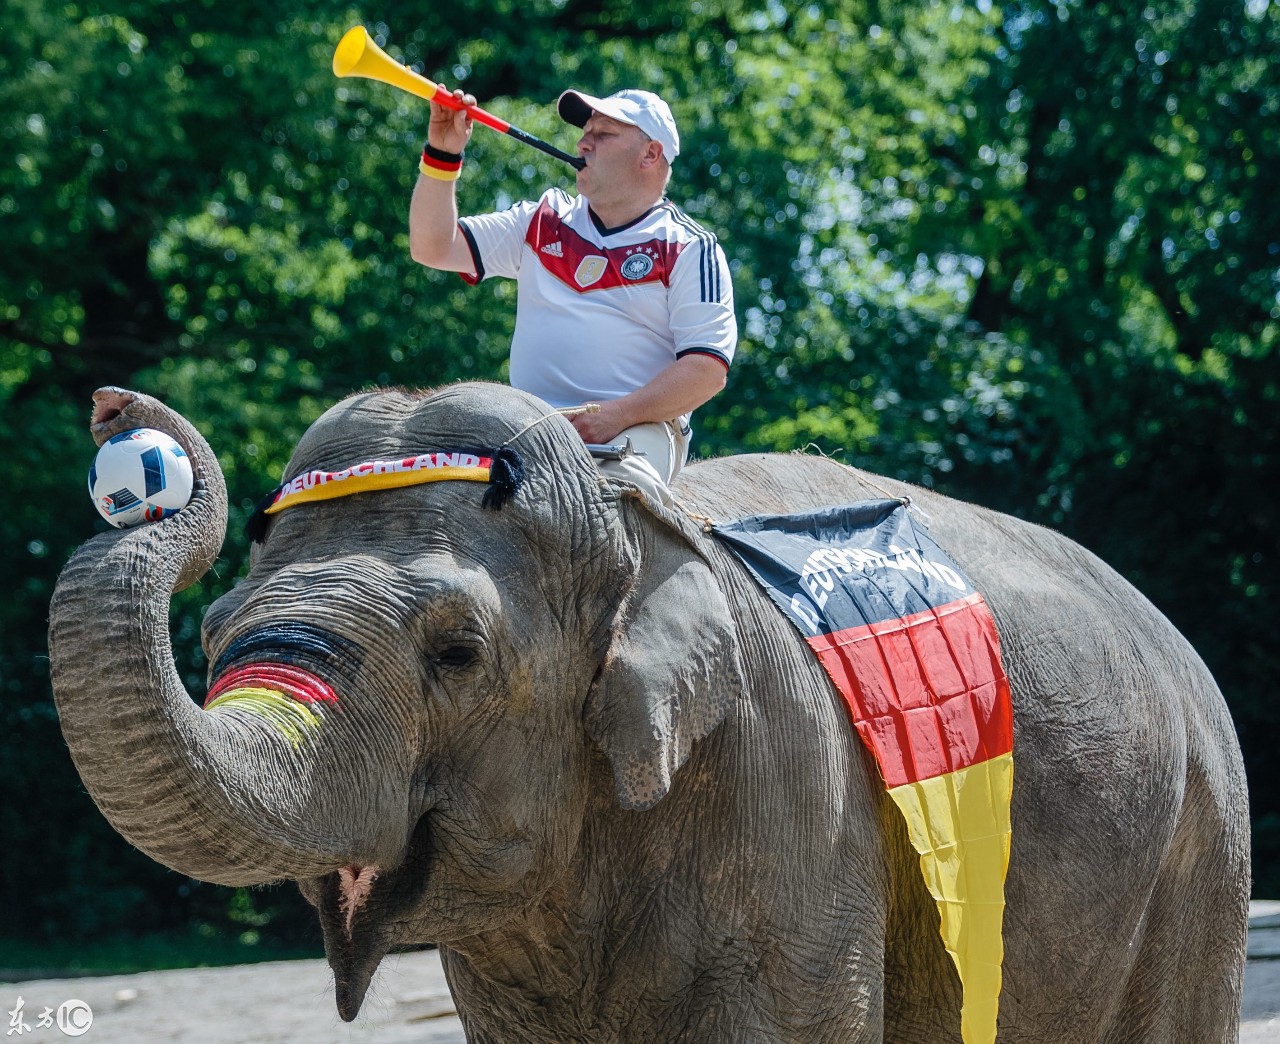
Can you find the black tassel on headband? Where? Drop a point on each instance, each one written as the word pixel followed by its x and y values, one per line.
pixel 255 526
pixel 505 476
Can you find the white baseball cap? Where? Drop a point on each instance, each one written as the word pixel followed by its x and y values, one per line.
pixel 641 109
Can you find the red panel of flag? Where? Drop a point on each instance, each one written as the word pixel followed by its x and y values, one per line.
pixel 926 692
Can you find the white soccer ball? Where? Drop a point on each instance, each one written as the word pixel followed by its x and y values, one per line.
pixel 141 475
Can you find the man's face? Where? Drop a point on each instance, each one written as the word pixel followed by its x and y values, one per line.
pixel 613 151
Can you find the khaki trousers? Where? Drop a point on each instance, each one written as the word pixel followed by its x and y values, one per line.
pixel 665 448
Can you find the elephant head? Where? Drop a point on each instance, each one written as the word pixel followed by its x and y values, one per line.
pixel 414 698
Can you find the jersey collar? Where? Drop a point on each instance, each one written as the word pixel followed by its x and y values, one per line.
pixel 600 225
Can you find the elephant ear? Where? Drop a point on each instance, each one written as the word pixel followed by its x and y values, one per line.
pixel 673 668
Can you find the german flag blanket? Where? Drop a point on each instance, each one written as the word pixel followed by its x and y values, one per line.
pixel 913 649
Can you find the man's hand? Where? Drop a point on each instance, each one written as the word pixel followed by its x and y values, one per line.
pixel 600 428
pixel 450 129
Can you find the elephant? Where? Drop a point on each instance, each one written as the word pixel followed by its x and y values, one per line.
pixel 569 741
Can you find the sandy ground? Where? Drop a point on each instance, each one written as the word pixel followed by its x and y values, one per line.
pixel 291 1002
pixel 276 1003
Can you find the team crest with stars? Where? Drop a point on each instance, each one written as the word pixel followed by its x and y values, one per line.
pixel 638 265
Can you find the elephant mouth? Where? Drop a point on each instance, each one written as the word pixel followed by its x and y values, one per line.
pixel 360 908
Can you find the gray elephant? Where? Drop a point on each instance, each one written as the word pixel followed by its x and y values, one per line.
pixel 572 743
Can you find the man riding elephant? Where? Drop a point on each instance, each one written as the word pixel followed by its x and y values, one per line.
pixel 625 302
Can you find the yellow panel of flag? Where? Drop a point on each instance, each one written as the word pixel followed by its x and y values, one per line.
pixel 959 823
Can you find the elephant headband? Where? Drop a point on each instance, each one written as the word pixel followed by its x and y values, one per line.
pixel 502 469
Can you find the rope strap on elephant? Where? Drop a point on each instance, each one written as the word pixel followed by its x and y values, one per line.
pixel 913 649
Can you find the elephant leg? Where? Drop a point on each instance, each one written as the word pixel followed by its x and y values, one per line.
pixel 1186 982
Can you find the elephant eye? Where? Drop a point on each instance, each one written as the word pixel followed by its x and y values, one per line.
pixel 455 657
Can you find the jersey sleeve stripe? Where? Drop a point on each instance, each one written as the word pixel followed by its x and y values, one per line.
pixel 717 355
pixel 475 255
pixel 709 271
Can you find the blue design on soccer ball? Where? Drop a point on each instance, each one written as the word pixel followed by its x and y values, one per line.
pixel 141 475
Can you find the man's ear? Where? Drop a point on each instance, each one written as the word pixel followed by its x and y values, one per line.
pixel 652 154
pixel 673 668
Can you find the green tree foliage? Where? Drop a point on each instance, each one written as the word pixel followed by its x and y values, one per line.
pixel 1020 252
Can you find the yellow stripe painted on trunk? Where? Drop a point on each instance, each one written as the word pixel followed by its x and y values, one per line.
pixel 291 718
pixel 959 823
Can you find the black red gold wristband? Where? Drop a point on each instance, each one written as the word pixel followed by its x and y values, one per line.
pixel 441 165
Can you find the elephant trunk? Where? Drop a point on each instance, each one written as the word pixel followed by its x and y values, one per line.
pixel 201 793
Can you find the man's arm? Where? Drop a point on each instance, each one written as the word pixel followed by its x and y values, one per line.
pixel 434 237
pixel 679 389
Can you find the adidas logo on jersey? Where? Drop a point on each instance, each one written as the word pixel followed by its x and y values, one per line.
pixel 554 249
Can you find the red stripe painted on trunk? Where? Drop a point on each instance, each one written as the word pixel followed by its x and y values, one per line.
pixel 294 682
pixel 927 693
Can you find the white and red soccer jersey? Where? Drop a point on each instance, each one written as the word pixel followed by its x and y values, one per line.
pixel 601 312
